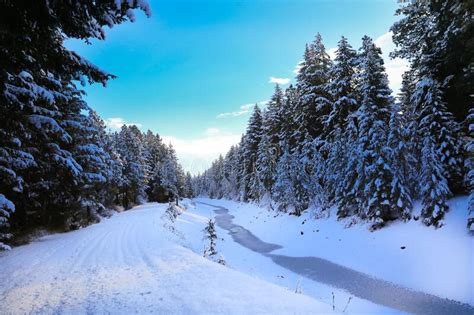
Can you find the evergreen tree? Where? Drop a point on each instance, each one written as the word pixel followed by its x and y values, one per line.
pixel 312 113
pixel 130 148
pixel 288 189
pixel 188 187
pixel 400 159
pixel 408 125
pixel 6 209
pixel 342 88
pixel 289 123
pixel 375 174
pixel 470 168
pixel 439 151
pixel 231 173
pixel 171 175
pixel 39 173
pixel 437 38
pixel 88 151
pixel 314 98
pixel 250 145
pixel 211 236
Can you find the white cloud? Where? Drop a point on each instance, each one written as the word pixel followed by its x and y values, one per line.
pixel 244 109
pixel 279 80
pixel 115 123
pixel 197 154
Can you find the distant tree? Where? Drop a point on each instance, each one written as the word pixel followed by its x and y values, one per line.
pixel 250 144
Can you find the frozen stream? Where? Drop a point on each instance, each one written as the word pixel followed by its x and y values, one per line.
pixel 356 283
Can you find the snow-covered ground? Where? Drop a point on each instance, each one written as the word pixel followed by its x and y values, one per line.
pixel 439 262
pixel 131 263
pixel 191 224
pixel 139 261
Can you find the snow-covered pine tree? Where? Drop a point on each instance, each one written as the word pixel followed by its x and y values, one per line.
pixel 171 178
pixel 88 151
pixel 469 165
pixel 273 116
pixel 210 235
pixel 155 155
pixel 268 148
pixel 289 122
pixel 342 88
pixel 312 113
pixel 14 159
pixel 439 150
pixel 130 147
pixel 188 186
pixel 217 178
pixel 288 190
pixel 374 171
pixel 249 153
pixel 6 209
pixel 408 130
pixel 348 195
pixel 315 103
pixel 37 88
pixel 241 168
pixel 231 173
pixel 53 188
pixel 400 159
pixel 265 164
pixel 115 187
pixel 436 36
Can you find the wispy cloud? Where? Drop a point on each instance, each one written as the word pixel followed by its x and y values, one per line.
pixel 244 109
pixel 196 154
pixel 115 123
pixel 279 80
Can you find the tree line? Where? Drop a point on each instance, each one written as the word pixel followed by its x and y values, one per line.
pixel 59 168
pixel 339 138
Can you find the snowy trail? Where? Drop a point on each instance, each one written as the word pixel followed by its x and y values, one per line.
pixel 359 284
pixel 130 264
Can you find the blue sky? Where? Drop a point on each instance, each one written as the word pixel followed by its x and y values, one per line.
pixel 188 71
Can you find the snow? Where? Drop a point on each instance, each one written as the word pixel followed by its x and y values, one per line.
pixel 436 261
pixel 132 263
pixel 191 224
pixel 140 261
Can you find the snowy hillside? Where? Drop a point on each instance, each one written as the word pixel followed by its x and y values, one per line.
pixel 129 264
